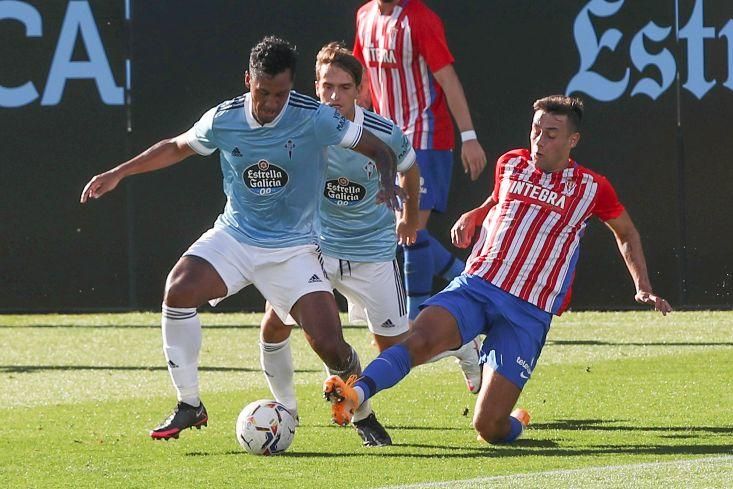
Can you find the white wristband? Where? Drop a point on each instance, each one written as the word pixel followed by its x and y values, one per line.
pixel 468 135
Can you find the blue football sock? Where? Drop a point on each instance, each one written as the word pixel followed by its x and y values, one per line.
pixel 419 272
pixel 515 430
pixel 391 366
pixel 446 265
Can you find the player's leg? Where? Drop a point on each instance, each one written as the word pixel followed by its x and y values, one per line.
pixel 202 274
pixel 449 318
pixel 276 359
pixel 510 352
pixel 294 283
pixel 433 331
pixel 374 288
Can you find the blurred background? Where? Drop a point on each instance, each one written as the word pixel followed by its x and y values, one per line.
pixel 84 85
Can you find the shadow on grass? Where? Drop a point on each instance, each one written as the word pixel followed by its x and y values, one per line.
pixel 631 343
pixel 24 369
pixel 603 425
pixel 518 449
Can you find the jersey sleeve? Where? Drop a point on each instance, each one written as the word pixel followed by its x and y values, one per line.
pixel 498 171
pixel 357 51
pixel 429 35
pixel 200 136
pixel 403 149
pixel 607 205
pixel 333 129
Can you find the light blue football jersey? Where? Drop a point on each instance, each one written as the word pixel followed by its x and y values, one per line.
pixel 273 172
pixel 352 225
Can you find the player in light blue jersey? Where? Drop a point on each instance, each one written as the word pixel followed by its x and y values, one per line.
pixel 358 240
pixel 272 144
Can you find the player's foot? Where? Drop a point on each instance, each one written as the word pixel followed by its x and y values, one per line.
pixel 343 398
pixel 372 432
pixel 184 416
pixel 522 415
pixel 468 357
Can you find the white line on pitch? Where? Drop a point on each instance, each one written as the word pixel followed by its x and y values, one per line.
pixel 605 468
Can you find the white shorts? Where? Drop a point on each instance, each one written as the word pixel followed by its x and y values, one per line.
pixel 374 291
pixel 282 275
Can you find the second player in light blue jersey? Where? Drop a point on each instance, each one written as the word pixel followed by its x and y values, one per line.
pixel 358 240
pixel 272 143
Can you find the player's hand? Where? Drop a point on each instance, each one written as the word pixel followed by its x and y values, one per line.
pixel 391 195
pixel 473 158
pixel 100 185
pixel 406 231
pixel 660 304
pixel 463 230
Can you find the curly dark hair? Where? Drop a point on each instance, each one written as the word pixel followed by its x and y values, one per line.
pixel 272 56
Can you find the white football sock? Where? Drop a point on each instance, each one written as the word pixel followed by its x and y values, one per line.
pixel 181 345
pixel 277 365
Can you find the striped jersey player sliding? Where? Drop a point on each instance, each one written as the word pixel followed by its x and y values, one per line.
pixel 518 275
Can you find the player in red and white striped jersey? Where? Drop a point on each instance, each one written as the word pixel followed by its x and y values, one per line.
pixel 519 273
pixel 411 78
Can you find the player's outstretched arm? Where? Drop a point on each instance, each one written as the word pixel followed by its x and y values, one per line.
pixel 629 244
pixel 160 155
pixel 382 155
pixel 472 154
pixel 409 221
pixel 463 231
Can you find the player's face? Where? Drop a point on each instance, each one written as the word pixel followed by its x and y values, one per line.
pixel 335 87
pixel 269 94
pixel 551 140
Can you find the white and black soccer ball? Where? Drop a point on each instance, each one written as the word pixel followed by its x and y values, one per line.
pixel 265 427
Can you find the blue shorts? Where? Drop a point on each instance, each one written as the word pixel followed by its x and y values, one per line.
pixel 515 329
pixel 436 169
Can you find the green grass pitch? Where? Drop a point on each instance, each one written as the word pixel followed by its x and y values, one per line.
pixel 618 400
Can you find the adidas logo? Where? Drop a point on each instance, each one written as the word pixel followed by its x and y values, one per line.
pixel 315 278
pixel 388 324
pixel 236 152
pixel 171 364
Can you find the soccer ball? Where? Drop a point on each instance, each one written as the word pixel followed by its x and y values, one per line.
pixel 265 427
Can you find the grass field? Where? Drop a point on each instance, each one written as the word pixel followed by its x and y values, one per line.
pixel 618 400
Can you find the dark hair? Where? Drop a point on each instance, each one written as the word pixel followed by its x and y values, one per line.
pixel 337 54
pixel 562 105
pixel 272 56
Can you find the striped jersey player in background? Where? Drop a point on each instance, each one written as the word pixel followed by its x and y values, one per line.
pixel 271 144
pixel 358 240
pixel 412 81
pixel 518 275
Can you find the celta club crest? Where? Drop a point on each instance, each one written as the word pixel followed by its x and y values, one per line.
pixel 370 168
pixel 569 188
pixel 290 146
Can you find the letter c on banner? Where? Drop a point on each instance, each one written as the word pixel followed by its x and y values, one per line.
pixel 31 18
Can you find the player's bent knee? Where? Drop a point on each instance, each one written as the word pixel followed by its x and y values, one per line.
pixel 181 293
pixel 491 430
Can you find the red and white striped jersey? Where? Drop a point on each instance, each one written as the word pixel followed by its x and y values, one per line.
pixel 401 52
pixel 529 241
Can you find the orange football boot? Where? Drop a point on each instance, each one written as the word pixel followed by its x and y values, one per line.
pixel 343 398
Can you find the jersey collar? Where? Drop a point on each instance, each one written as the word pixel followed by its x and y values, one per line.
pixel 358 115
pixel 252 122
